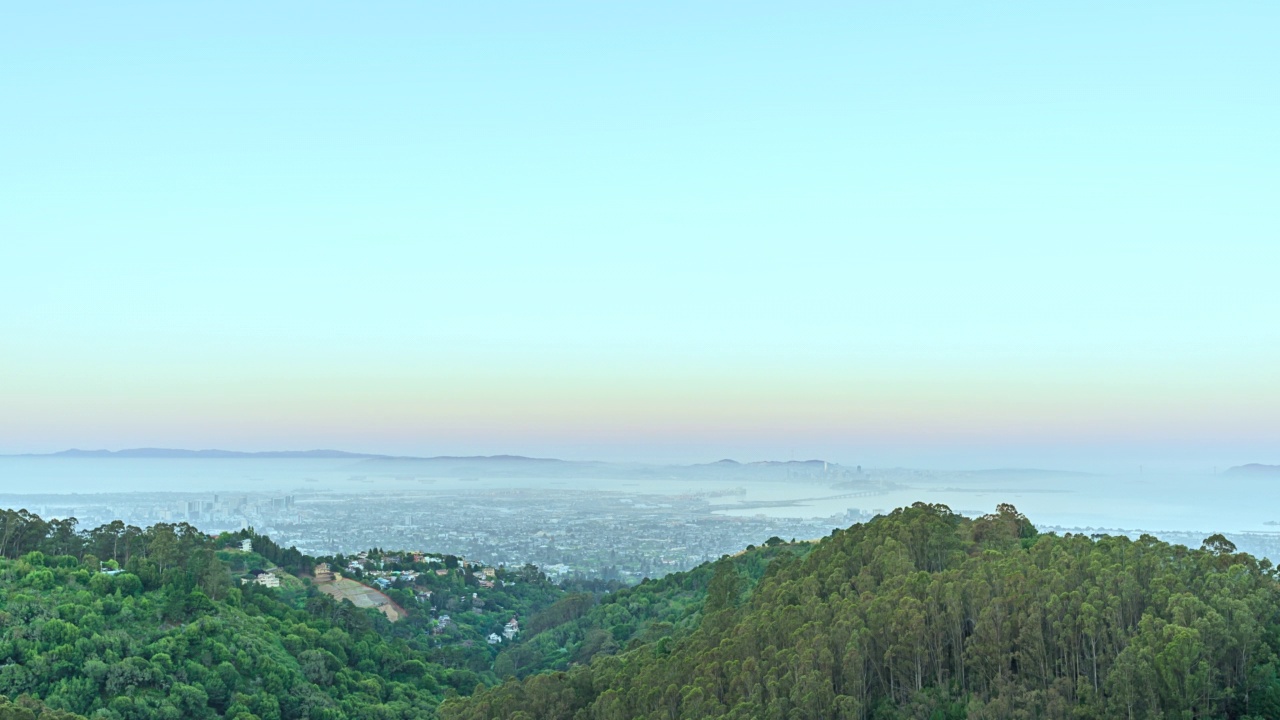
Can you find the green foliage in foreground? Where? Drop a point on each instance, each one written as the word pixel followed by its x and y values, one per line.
pixel 122 622
pixel 919 614
pixel 28 708
pixel 112 647
pixel 155 626
pixel 927 614
pixel 576 628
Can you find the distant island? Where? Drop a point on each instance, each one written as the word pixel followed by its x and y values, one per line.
pixel 1254 469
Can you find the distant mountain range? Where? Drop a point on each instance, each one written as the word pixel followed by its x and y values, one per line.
pixel 1254 469
pixel 510 466
pixel 343 455
pixel 491 466
pixel 172 453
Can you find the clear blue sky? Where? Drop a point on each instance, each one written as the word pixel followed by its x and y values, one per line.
pixel 920 233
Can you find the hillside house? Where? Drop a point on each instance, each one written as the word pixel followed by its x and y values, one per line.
pixel 261 577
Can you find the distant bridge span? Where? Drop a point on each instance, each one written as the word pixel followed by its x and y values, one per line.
pixel 754 504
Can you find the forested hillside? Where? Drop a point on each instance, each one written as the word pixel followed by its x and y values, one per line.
pixel 577 628
pixel 28 708
pixel 187 647
pixel 918 614
pixel 927 614
pixel 123 622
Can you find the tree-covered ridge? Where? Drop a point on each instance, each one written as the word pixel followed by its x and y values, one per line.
pixel 927 614
pixel 28 708
pixel 577 627
pixel 123 622
pixel 109 646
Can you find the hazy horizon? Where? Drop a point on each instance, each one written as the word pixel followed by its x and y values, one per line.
pixel 916 235
pixel 1083 467
pixel 981 298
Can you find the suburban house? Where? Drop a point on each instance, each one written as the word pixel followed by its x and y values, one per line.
pixel 261 577
pixel 441 623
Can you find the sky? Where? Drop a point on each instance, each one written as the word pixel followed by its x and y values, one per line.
pixel 930 234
